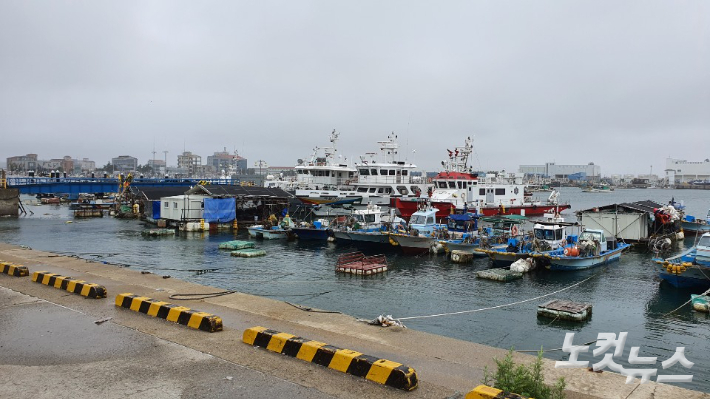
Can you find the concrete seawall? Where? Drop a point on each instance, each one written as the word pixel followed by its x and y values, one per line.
pixel 9 201
pixel 445 367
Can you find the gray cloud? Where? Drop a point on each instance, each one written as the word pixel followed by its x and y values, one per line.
pixel 621 84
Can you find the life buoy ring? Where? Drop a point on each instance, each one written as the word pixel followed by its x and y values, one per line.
pixel 514 230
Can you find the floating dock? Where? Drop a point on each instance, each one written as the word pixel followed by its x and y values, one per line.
pixel 88 213
pixel 248 253
pixel 503 275
pixel 458 256
pixel 236 245
pixel 158 232
pixel 358 263
pixel 566 310
pixel 701 303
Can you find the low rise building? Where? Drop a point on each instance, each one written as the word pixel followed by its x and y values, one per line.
pixel 590 171
pixel 124 163
pixel 681 171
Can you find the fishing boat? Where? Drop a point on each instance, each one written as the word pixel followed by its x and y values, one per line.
pixel 598 189
pixel 458 189
pixel 364 225
pixel 324 178
pixel 422 234
pixel 472 241
pixel 380 177
pixel 690 269
pixel 256 231
pixel 89 201
pixel 318 230
pixel 592 249
pixel 275 233
pixel 692 225
pixel 547 235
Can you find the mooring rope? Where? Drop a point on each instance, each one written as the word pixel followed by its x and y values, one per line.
pixel 500 306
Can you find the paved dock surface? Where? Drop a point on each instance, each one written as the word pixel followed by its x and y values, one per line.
pixel 52 346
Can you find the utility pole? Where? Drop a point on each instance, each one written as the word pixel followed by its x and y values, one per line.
pixel 166 161
pixel 152 167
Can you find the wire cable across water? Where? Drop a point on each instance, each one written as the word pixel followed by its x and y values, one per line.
pixel 500 306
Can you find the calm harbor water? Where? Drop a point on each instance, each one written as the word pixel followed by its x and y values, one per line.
pixel 627 295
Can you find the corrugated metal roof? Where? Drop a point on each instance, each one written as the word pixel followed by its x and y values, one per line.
pixel 240 191
pixel 156 193
pixel 646 206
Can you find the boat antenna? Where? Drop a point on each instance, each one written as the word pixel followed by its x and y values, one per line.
pixel 475 152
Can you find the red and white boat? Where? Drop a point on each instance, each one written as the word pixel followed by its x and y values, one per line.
pixel 457 188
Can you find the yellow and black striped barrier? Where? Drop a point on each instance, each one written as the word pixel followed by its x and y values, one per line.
pixel 486 392
pixel 14 270
pixel 80 287
pixel 164 310
pixel 345 360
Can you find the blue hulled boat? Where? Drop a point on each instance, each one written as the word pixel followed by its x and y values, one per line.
pixel 319 230
pixel 692 225
pixel 592 249
pixel 690 269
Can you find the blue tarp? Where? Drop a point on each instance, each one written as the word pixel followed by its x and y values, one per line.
pixel 463 217
pixel 220 210
pixel 156 210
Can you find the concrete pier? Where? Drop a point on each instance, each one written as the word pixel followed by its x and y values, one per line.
pixel 9 201
pixel 57 344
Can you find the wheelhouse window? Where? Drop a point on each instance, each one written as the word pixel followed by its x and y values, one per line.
pixel 417 219
pixel 362 189
pixel 452 184
pixel 481 191
pixel 404 172
pixel 364 172
pixel 441 184
pixel 402 190
pixel 500 191
pixel 373 172
pixel 392 172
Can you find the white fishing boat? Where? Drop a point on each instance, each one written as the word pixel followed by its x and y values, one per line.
pixel 381 176
pixel 255 231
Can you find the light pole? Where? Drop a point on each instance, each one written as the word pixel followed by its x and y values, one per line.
pixel 166 161
pixel 260 164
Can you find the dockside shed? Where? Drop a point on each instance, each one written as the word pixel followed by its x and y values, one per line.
pixel 631 221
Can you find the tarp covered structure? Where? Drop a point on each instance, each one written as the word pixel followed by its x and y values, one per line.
pixel 220 210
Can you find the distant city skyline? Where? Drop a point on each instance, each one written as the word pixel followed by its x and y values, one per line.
pixel 619 83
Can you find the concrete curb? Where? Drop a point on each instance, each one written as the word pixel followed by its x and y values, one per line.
pixel 164 310
pixel 80 287
pixel 345 360
pixel 486 392
pixel 14 270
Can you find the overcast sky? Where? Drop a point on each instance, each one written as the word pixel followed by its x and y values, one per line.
pixel 623 84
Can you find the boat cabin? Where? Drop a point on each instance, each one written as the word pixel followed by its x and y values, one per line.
pixel 594 236
pixel 368 218
pixel 424 220
pixel 552 232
